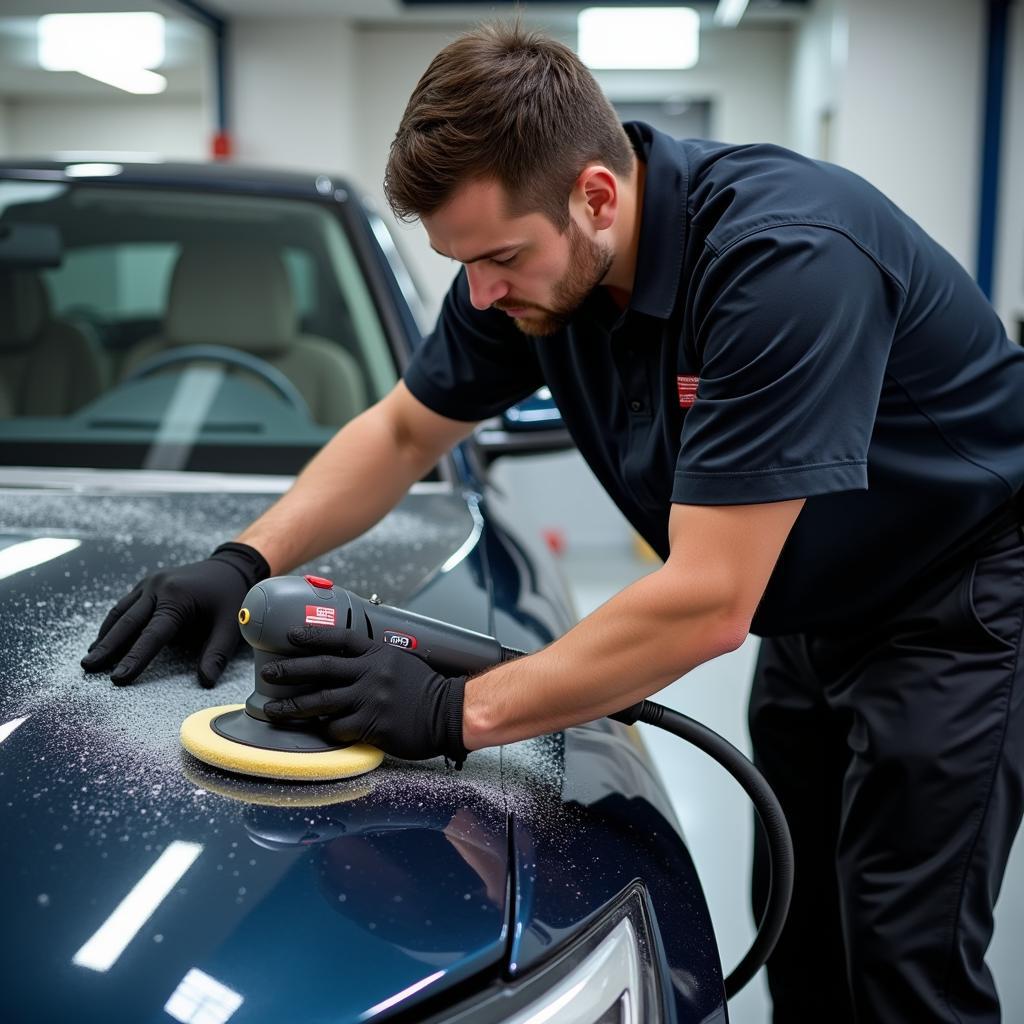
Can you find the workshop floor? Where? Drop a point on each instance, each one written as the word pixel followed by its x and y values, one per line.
pixel 715 814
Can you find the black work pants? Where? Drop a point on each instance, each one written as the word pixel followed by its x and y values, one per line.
pixel 897 752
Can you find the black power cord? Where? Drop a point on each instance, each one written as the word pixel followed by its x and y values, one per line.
pixel 769 813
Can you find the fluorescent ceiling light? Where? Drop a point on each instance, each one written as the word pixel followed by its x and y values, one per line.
pixel 729 12
pixel 8 727
pixel 117 49
pixel 129 40
pixel 638 38
pixel 200 999
pixel 136 80
pixel 100 953
pixel 29 553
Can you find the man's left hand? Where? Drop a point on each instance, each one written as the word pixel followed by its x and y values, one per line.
pixel 370 693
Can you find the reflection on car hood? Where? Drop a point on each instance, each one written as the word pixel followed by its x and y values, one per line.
pixel 138 879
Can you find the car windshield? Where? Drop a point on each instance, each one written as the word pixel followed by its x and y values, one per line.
pixel 159 328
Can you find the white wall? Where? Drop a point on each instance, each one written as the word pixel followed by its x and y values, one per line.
pixel 294 93
pixel 389 64
pixel 819 56
pixel 1009 283
pixel 4 142
pixel 911 103
pixel 744 72
pixel 904 85
pixel 39 127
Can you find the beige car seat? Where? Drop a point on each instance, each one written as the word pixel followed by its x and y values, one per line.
pixel 238 295
pixel 47 367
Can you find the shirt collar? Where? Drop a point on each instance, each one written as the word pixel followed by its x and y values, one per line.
pixel 663 221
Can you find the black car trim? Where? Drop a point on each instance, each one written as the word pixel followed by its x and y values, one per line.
pixel 489 998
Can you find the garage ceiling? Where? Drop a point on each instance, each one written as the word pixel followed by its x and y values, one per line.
pixel 412 11
pixel 382 10
pixel 188 45
pixel 185 65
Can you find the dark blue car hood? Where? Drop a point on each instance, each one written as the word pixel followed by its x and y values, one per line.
pixel 140 883
pixel 311 903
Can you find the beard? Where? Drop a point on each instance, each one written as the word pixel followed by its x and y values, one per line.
pixel 588 264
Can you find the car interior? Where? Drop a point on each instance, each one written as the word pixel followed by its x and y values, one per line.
pixel 235 294
pixel 106 321
pixel 49 367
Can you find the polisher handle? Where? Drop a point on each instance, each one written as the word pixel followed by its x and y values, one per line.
pixel 447 649
pixel 280 603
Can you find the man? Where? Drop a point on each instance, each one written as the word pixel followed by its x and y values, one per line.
pixel 804 405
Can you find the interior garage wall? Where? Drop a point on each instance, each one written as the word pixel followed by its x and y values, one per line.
pixel 912 99
pixel 743 72
pixel 904 85
pixel 1009 283
pixel 819 54
pixel 40 127
pixel 389 63
pixel 295 93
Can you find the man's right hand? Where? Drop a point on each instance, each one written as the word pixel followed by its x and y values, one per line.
pixel 197 603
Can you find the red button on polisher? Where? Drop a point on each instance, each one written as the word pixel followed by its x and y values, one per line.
pixel 319 581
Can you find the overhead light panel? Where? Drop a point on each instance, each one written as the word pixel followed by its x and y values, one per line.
pixel 118 49
pixel 638 38
pixel 136 80
pixel 729 12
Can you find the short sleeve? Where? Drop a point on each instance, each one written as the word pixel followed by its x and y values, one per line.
pixel 475 364
pixel 793 327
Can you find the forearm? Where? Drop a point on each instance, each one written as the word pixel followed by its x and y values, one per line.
pixel 355 479
pixel 645 637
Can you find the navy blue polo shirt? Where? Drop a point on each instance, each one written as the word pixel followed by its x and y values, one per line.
pixel 791 334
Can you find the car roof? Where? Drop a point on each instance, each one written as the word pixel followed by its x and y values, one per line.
pixel 211 176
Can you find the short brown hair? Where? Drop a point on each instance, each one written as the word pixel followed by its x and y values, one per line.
pixel 506 104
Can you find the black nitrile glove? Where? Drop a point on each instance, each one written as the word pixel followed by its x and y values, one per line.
pixel 197 602
pixel 373 694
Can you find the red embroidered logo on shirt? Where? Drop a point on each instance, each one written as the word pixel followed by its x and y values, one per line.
pixel 687 391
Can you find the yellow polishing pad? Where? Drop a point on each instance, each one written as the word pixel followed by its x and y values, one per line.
pixel 198 737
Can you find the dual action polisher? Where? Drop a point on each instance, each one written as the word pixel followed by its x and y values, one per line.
pixel 240 738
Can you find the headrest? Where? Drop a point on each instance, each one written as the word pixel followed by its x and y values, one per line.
pixel 24 308
pixel 230 293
